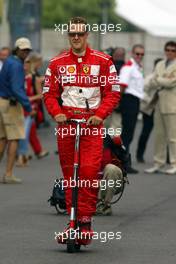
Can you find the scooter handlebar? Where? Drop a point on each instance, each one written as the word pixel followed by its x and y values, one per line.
pixel 77 121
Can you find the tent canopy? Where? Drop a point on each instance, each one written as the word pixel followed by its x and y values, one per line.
pixel 157 17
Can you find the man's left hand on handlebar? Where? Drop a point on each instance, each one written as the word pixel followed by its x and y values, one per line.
pixel 94 120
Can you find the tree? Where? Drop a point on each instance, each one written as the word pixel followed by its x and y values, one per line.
pixel 59 12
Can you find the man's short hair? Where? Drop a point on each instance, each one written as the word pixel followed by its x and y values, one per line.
pixel 78 20
pixel 121 49
pixel 5 48
pixel 170 43
pixel 137 46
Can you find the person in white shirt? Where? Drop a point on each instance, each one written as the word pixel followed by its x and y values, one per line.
pixel 132 85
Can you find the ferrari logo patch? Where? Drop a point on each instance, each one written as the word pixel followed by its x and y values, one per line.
pixel 86 69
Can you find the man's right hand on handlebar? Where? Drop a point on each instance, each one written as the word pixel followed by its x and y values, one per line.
pixel 60 118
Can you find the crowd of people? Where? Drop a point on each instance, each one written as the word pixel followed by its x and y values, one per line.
pixel 140 93
pixel 152 95
pixel 21 108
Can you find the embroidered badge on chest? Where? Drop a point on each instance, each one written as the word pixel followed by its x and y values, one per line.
pixel 71 69
pixel 86 69
pixel 62 69
pixel 95 70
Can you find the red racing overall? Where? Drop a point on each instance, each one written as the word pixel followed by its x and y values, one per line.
pixel 81 87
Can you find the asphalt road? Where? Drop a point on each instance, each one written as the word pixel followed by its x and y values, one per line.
pixel 146 218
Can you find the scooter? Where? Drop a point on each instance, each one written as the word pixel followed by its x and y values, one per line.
pixel 72 244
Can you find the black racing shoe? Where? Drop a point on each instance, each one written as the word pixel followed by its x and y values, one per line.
pixel 140 159
pixel 131 170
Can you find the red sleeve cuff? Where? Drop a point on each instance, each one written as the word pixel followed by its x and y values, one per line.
pixel 101 115
pixel 123 85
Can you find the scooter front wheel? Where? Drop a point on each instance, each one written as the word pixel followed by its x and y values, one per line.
pixel 71 245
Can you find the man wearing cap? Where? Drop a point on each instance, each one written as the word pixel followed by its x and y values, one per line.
pixel 12 99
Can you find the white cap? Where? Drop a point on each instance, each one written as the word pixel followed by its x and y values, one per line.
pixel 23 43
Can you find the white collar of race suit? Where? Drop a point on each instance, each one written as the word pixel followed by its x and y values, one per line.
pixel 80 54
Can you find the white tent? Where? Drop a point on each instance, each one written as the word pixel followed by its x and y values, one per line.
pixel 157 17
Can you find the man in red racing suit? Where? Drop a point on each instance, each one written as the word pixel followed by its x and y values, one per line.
pixel 81 83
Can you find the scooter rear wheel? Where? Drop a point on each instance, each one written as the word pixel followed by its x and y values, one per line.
pixel 77 247
pixel 72 247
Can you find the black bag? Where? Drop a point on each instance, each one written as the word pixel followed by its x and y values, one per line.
pixel 119 151
pixel 58 196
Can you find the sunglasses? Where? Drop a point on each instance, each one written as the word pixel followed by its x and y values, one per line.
pixel 79 34
pixel 26 50
pixel 170 50
pixel 139 54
